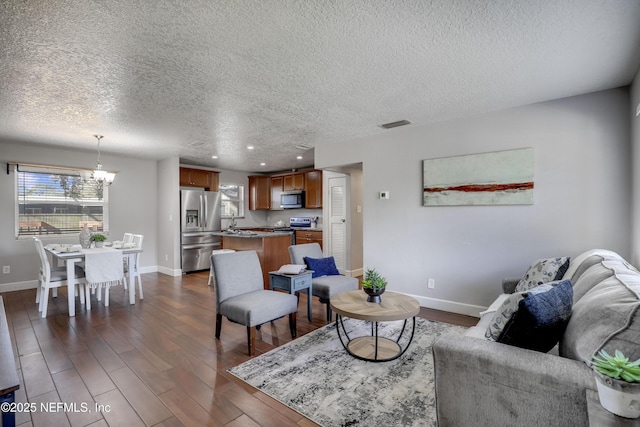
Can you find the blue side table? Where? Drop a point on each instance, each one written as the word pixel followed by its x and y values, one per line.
pixel 292 283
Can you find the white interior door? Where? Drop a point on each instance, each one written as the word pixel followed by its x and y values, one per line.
pixel 337 236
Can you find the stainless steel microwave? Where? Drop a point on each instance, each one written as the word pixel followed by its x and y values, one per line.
pixel 292 200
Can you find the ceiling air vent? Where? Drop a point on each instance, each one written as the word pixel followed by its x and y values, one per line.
pixel 395 124
pixel 303 147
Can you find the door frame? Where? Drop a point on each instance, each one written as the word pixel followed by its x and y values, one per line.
pixel 350 269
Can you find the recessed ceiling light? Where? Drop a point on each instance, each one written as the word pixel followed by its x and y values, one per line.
pixel 250 147
pixel 299 157
pixel 392 125
pixel 214 157
pixel 263 164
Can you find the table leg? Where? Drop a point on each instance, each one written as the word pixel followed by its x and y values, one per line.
pixel 71 285
pixel 87 296
pixel 132 283
pixel 309 314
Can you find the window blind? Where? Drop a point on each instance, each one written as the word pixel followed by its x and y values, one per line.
pixel 50 201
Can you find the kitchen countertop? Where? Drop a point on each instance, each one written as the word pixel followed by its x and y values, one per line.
pixel 252 234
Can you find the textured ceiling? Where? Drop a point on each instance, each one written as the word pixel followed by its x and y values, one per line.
pixel 194 79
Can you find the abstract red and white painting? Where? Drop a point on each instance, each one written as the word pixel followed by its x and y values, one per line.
pixel 496 178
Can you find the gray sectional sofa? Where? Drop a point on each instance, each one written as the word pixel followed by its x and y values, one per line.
pixel 480 382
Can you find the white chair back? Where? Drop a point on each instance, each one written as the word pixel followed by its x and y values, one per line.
pixel 45 267
pixel 137 239
pixel 128 238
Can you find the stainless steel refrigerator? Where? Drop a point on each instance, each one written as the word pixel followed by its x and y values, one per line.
pixel 200 215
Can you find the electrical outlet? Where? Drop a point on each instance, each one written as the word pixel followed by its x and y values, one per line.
pixel 6 269
pixel 166 257
pixel 431 284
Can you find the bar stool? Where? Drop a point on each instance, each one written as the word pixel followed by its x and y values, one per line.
pixel 214 253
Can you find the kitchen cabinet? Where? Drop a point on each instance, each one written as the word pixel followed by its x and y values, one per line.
pixel 265 190
pixel 313 189
pixel 190 177
pixel 272 250
pixel 309 236
pixel 276 192
pixel 259 192
pixel 293 181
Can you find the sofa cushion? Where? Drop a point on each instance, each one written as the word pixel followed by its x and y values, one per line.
pixel 607 315
pixel 543 271
pixel 322 266
pixel 534 319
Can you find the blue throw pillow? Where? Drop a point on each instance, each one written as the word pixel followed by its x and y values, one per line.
pixel 541 317
pixel 322 266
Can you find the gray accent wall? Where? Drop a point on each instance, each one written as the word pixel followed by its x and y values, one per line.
pixel 582 197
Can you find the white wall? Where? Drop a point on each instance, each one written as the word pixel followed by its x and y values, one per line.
pixel 635 147
pixel 132 202
pixel 169 217
pixel 582 197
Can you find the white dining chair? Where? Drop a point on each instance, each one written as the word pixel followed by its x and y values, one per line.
pixel 137 239
pixel 53 278
pixel 126 238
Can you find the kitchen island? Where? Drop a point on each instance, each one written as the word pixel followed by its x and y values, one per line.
pixel 272 247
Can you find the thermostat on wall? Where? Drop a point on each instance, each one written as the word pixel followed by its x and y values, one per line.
pixel 384 195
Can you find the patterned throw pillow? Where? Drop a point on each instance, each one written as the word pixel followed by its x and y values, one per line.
pixel 534 319
pixel 543 271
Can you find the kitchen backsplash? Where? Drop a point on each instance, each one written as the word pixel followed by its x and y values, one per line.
pixel 269 218
pixel 274 216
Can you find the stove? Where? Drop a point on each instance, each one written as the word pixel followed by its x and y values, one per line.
pixel 300 222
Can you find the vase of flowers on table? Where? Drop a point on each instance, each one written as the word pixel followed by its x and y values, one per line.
pixel 98 239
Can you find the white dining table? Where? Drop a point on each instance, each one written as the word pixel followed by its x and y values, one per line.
pixel 71 258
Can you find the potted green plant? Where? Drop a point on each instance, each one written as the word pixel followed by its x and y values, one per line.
pixel 99 239
pixel 373 284
pixel 618 382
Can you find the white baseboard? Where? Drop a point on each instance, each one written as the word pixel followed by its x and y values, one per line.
pixel 175 272
pixel 18 286
pixel 149 269
pixel 450 306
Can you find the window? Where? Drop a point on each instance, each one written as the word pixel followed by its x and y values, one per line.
pixel 232 198
pixel 58 201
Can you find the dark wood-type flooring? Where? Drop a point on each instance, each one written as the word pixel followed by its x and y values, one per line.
pixel 155 363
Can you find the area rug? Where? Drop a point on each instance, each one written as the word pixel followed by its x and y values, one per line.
pixel 316 377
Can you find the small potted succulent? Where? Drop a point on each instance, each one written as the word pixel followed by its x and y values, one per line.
pixel 99 239
pixel 373 285
pixel 618 382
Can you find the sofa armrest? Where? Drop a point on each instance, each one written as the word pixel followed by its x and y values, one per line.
pixel 484 383
pixel 509 285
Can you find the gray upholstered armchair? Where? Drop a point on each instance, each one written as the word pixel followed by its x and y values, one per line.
pixel 241 297
pixel 323 287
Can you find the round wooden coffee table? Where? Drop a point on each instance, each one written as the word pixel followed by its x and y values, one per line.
pixel 394 306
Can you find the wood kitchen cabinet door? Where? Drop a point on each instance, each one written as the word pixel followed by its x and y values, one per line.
pixel 313 189
pixel 209 180
pixel 276 192
pixel 307 236
pixel 259 192
pixel 200 178
pixel 293 182
pixel 185 177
